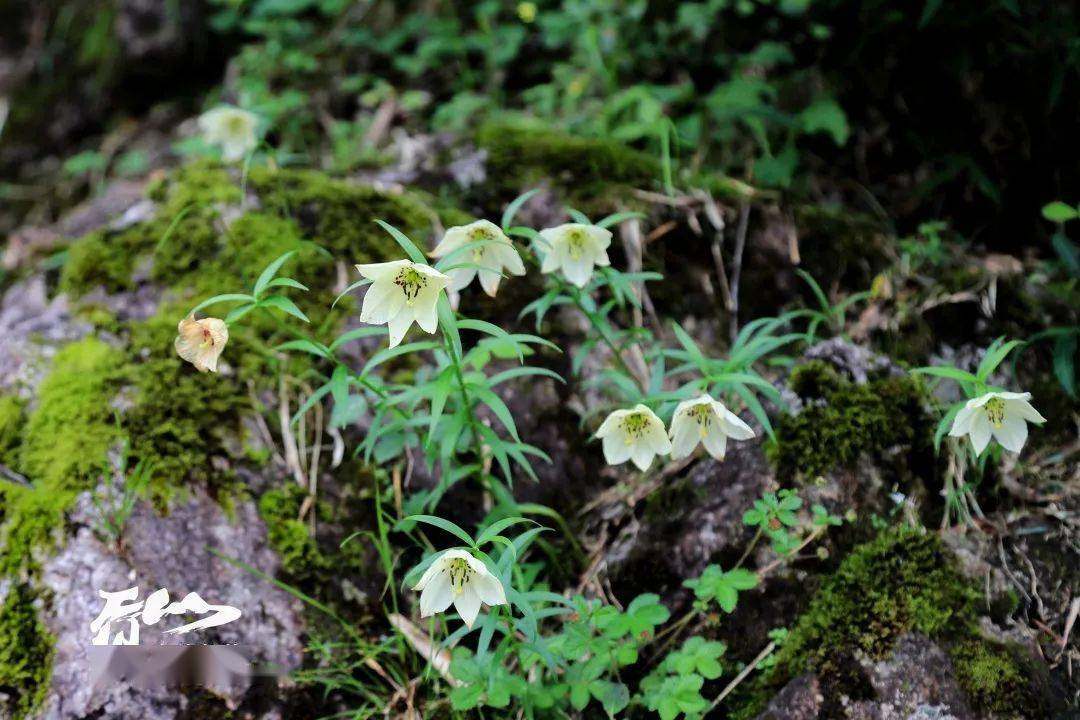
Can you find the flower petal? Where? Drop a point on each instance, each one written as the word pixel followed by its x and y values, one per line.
pixel 1012 434
pixel 980 433
pixel 616 449
pixel 1024 409
pixel 398 325
pixel 437 596
pixel 468 604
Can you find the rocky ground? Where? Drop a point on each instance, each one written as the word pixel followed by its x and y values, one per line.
pixel 965 623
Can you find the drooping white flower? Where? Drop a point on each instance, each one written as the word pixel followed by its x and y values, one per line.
pixel 706 421
pixel 636 434
pixel 576 249
pixel 402 291
pixel 497 254
pixel 200 342
pixel 231 128
pixel 459 578
pixel 1003 415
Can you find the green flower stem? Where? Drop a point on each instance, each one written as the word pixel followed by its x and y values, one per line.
pixel 575 294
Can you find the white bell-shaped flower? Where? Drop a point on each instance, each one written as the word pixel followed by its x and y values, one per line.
pixel 401 292
pixel 232 129
pixel 636 434
pixel 495 255
pixel 1003 415
pixel 706 421
pixel 459 578
pixel 201 342
pixel 576 249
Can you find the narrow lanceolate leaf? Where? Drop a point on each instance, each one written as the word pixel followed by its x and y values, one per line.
pixel 271 270
pixel 498 407
pixel 308 346
pixel 346 291
pixel 406 244
pixel 286 282
pixel 442 525
pixel 390 353
pixel 227 297
pixel 356 334
pixel 946 372
pixel 283 303
pixel 512 209
pixel 616 218
pixel 496 528
pixel 524 371
pixel 238 312
pixel 946 423
pixel 448 323
pixel 994 357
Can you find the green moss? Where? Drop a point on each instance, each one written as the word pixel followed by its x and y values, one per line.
pixel 182 421
pixel 26 655
pixel 853 419
pixel 299 553
pixel 340 216
pixel 183 234
pixel 903 581
pixel 996 678
pixel 72 428
pixel 587 170
pixel 64 449
pixel 11 422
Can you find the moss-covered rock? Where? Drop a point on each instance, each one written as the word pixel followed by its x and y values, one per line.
pixel 903 581
pixel 11 422
pixel 842 420
pixel 64 448
pixel 998 678
pixel 590 172
pixel 26 653
pixel 289 536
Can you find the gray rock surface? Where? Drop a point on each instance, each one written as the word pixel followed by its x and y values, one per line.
pixel 172 552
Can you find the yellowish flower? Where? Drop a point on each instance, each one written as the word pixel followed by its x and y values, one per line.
pixel 1003 415
pixel 706 421
pixel 497 254
pixel 636 434
pixel 232 129
pixel 576 249
pixel 200 342
pixel 459 578
pixel 401 292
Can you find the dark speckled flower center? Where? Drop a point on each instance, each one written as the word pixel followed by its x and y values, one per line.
pixel 703 415
pixel 460 573
pixel 576 244
pixel 411 283
pixel 995 411
pixel 634 425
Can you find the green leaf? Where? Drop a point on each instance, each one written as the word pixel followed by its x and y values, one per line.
pixel 722 587
pixel 616 218
pixel 227 297
pixel 356 334
pixel 358 284
pixel 498 407
pixel 512 209
pixel 442 525
pixel 406 244
pixel 826 116
pixel 613 696
pixel 496 528
pixel 1065 362
pixel 1059 212
pixel 390 353
pixel 286 282
pixel 448 323
pixel 283 303
pixel 946 372
pixel 995 354
pixel 268 274
pixel 307 346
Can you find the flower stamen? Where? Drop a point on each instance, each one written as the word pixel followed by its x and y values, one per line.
pixel 995 411
pixel 411 283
